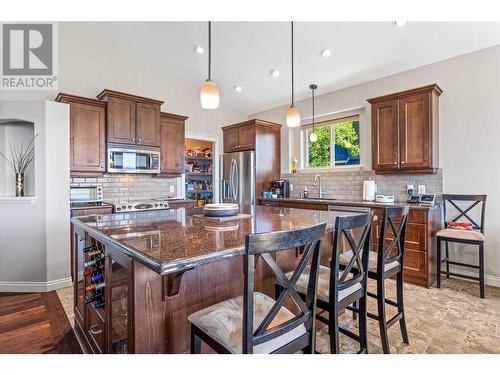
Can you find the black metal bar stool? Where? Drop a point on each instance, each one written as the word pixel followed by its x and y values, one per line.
pixel 383 264
pixel 470 237
pixel 337 290
pixel 256 323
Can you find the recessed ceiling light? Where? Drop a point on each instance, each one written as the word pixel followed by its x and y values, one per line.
pixel 238 88
pixel 275 73
pixel 400 23
pixel 326 52
pixel 199 49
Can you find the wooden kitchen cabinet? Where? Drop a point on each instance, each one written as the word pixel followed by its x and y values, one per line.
pixel 405 131
pixel 87 135
pixel 172 135
pixel 240 137
pixel 131 119
pixel 264 138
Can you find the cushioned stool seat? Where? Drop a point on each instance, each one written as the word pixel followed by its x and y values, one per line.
pixel 224 321
pixel 461 234
pixel 323 284
pixel 346 257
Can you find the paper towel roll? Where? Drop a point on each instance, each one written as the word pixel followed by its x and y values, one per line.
pixel 369 190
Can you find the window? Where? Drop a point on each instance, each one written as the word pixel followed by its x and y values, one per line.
pixel 338 144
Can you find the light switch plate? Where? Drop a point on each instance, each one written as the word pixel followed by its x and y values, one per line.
pixel 421 189
pixel 172 188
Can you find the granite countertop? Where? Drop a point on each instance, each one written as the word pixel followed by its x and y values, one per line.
pixel 169 241
pixel 351 203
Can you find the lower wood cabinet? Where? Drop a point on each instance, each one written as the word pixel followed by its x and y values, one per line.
pixel 181 204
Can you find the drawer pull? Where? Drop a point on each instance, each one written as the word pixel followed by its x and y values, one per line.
pixel 95 329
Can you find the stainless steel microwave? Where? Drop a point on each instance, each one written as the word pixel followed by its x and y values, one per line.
pixel 133 159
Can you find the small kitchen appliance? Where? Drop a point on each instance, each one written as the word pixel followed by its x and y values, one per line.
pixel 85 193
pixel 384 198
pixel 133 159
pixel 369 189
pixel 281 188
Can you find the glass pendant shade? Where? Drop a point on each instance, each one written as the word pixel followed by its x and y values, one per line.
pixel 293 117
pixel 313 137
pixel 209 95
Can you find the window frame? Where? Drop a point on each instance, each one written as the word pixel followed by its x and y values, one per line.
pixel 332 123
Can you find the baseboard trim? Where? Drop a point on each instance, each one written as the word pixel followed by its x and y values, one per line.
pixel 488 279
pixel 34 286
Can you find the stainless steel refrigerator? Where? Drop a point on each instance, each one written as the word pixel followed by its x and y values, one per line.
pixel 238 179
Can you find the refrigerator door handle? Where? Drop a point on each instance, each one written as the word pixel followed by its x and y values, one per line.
pixel 236 182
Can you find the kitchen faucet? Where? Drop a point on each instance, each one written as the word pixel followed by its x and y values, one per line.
pixel 317 179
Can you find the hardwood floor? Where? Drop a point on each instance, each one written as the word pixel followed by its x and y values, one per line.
pixel 35 323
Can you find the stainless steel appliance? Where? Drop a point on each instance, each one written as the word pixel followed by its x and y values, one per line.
pixel 85 193
pixel 133 159
pixel 141 205
pixel 281 188
pixel 238 179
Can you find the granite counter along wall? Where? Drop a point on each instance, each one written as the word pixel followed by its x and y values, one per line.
pixel 348 185
pixel 119 187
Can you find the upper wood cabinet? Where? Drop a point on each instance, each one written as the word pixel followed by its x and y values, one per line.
pixel 172 143
pixel 132 119
pixel 264 138
pixel 87 134
pixel 405 131
pixel 239 137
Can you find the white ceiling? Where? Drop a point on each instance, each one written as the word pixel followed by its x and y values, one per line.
pixel 244 53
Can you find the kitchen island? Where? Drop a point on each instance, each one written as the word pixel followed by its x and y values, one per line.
pixel 158 267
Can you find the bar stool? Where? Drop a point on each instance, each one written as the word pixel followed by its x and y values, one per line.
pixel 471 237
pixel 337 290
pixel 254 322
pixel 383 264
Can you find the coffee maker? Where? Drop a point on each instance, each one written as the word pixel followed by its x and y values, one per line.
pixel 281 188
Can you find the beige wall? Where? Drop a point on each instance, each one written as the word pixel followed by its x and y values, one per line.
pixel 469 130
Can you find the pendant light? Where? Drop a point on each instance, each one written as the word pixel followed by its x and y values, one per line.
pixel 293 113
pixel 209 92
pixel 313 137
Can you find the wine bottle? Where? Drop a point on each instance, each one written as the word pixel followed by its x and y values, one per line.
pixel 97 278
pixel 94 297
pixel 95 287
pixel 93 253
pixel 89 248
pixel 94 261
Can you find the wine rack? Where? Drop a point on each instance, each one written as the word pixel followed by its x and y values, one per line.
pixel 93 272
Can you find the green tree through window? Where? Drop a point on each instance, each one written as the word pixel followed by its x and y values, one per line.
pixel 345 147
pixel 319 151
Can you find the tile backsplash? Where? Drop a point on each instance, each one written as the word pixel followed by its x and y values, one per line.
pixel 119 187
pixel 349 184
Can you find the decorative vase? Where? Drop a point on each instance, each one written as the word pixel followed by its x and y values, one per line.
pixel 19 184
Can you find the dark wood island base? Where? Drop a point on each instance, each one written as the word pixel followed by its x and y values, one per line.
pixel 158 268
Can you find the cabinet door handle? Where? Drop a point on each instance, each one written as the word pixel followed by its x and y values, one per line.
pixel 395 162
pixel 140 140
pixel 403 162
pixel 95 329
pixel 102 166
pixel 133 139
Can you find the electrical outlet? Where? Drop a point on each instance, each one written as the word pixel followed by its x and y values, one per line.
pixel 291 187
pixel 421 189
pixel 172 188
pixel 409 189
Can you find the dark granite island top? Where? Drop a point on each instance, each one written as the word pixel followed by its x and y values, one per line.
pixel 174 240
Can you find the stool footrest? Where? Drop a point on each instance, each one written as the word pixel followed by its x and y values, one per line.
pixel 463 264
pixel 349 334
pixel 394 319
pixel 460 275
pixel 388 301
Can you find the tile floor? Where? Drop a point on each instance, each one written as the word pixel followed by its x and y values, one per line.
pixel 449 320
